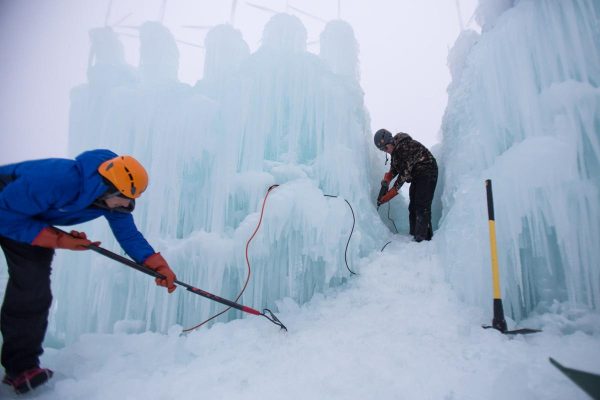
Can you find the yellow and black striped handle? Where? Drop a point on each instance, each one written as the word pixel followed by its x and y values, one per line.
pixel 498 322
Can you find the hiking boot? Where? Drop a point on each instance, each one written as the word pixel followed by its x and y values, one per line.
pixel 28 380
pixel 422 226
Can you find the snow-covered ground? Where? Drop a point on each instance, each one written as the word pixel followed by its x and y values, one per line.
pixel 395 331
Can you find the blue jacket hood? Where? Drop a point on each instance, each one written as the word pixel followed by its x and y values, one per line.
pixel 93 185
pixel 57 191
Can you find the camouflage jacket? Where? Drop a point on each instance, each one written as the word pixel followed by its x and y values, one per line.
pixel 410 159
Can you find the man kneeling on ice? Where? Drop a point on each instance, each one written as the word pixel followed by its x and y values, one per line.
pixel 413 163
pixel 34 195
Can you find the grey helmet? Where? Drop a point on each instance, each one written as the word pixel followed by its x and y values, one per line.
pixel 382 138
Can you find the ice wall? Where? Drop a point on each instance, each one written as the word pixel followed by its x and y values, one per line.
pixel 278 116
pixel 524 111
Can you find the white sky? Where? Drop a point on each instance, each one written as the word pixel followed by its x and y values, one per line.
pixel 44 50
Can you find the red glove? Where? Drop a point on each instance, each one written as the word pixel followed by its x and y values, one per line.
pixel 388 196
pixel 157 263
pixel 387 177
pixel 54 239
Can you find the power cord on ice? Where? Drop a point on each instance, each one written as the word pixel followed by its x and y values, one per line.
pixel 393 223
pixel 349 237
pixel 390 218
pixel 262 211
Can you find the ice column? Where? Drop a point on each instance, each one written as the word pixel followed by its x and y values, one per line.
pixel 107 70
pixel 524 110
pixel 278 116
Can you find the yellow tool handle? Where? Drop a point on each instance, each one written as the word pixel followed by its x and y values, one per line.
pixel 492 226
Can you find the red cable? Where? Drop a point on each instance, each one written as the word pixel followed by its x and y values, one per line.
pixel 247 263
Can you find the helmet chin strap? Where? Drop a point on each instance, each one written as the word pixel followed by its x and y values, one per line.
pixel 386 158
pixel 100 202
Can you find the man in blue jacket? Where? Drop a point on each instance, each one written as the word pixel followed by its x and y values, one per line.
pixel 34 195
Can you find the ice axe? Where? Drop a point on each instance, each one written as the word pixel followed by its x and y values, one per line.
pixel 498 322
pixel 268 314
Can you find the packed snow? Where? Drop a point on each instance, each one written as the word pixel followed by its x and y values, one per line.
pixel 397 330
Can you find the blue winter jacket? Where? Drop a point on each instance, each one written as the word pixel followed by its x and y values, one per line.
pixel 58 191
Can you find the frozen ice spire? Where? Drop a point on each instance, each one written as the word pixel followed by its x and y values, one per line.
pixel 106 48
pixel 339 48
pixel 225 52
pixel 488 12
pixel 106 64
pixel 285 32
pixel 159 55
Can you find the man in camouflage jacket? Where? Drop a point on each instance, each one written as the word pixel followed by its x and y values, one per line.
pixel 412 163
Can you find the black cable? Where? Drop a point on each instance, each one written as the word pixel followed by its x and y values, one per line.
pixel 389 208
pixel 351 232
pixel 385 245
pixel 393 223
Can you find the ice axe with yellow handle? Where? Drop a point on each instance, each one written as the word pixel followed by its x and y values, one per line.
pixel 498 322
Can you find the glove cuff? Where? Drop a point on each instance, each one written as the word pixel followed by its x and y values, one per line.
pixel 388 176
pixel 155 260
pixel 47 238
pixel 389 195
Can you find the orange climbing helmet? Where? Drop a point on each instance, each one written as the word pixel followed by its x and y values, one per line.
pixel 126 174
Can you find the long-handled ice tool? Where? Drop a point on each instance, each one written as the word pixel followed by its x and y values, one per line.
pixel 268 314
pixel 498 322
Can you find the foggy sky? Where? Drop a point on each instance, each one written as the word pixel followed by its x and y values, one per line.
pixel 44 49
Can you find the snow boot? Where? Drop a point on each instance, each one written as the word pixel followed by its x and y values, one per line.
pixel 422 226
pixel 28 380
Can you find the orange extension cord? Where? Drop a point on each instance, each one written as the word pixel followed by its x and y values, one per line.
pixel 262 211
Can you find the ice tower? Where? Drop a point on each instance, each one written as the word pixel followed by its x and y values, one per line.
pixel 279 116
pixel 159 55
pixel 106 71
pixel 524 110
pixel 225 52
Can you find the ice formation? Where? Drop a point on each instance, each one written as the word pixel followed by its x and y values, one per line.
pixel 524 111
pixel 278 116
